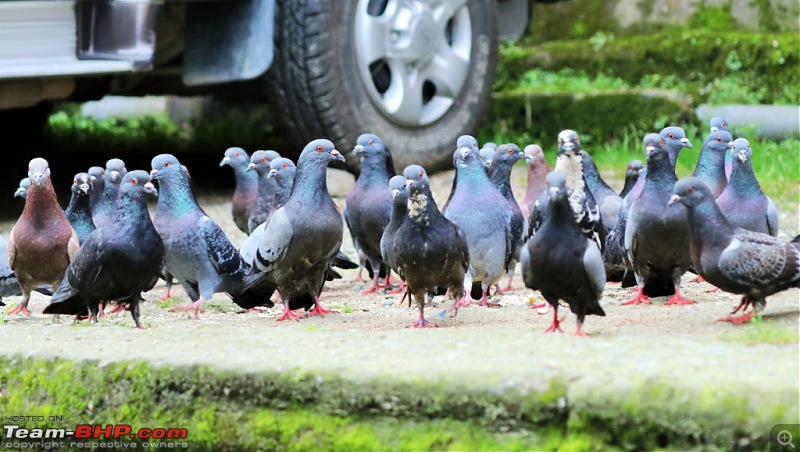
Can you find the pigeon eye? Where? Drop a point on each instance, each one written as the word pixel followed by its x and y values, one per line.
pixel 510 151
pixel 371 141
pixel 420 175
pixel 166 164
pixel 75 181
pixel 671 136
pixel 285 166
pixel 690 190
pixel 236 154
pixel 319 148
pixel 263 160
pixel 133 182
pixel 719 139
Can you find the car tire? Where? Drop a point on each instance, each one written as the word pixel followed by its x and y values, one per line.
pixel 316 90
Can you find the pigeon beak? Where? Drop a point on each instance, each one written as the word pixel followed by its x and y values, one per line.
pixel 568 146
pixel 114 176
pixel 337 155
pixel 19 193
pixel 272 173
pixel 150 188
pixel 395 192
pixel 37 178
pixel 730 144
pixel 464 151
pixel 742 156
pixel 673 200
pixel 225 161
pixel 714 129
pixel 409 182
pixel 251 167
pixel 358 149
pixel 84 187
pixel 153 174
pixel 686 143
pixel 649 150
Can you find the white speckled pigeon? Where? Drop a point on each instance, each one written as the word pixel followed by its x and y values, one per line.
pixel 632 172
pixel 561 262
pixel 537 171
pixel 430 251
pixel 42 243
pixel 368 207
pixel 115 170
pixel 79 210
pixel 503 162
pixel 710 166
pixel 483 215
pixel 301 238
pixel 22 190
pixel 117 262
pixel 734 259
pixel 265 199
pixel 246 188
pixel 657 237
pixel 198 254
pixel 742 202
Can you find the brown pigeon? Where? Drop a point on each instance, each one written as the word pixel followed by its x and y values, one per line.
pixel 42 243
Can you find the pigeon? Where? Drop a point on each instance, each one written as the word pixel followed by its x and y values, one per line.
pixel 117 262
pixel 282 170
pixel 368 207
pixel 42 243
pixel 537 171
pixel 483 215
pixel 397 185
pixel 503 162
pixel 657 237
pixel 265 199
pixel 606 198
pixel 711 161
pixel 587 213
pixel 561 262
pixel 487 155
pixel 22 190
pixel 115 170
pixel 197 252
pixel 736 260
pixel 430 251
pixel 300 240
pixel 675 140
pixel 718 123
pixel 9 286
pixel 632 172
pixel 79 210
pixel 244 195
pixel 98 177
pixel 742 202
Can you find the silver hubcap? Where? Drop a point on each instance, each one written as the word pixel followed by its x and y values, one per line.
pixel 413 56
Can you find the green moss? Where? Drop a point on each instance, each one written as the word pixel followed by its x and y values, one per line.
pixel 765 332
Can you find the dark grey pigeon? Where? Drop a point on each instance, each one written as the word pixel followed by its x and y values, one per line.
pixel 117 262
pixel 537 171
pixel 282 170
pixel 198 254
pixel 736 260
pixel 115 171
pixel 606 198
pixel 9 286
pixel 368 207
pixel 483 215
pixel 657 237
pixel 301 238
pixel 710 166
pixel 718 123
pixel 397 185
pixel 632 172
pixel 79 211
pixel 430 251
pixel 22 190
pixel 742 202
pixel 674 141
pixel 503 162
pixel 98 176
pixel 246 188
pixel 561 262
pixel 265 199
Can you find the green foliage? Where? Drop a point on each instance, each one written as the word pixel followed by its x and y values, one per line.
pixel 714 18
pixel 760 331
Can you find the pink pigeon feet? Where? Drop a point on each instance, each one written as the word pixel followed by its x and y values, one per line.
pixel 677 299
pixel 639 298
pixel 742 319
pixel 556 325
pixel 358 276
pixel 319 310
pixel 288 314
pixel 507 288
pixel 194 308
pixel 422 323
pixel 116 309
pixel 699 279
pixel 485 302
pixel 579 330
pixel 20 309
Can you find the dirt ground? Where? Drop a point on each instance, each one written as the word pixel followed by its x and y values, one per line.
pixel 382 312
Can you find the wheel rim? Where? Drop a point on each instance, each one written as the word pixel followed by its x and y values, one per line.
pixel 413 56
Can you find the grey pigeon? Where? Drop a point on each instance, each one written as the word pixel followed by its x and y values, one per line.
pixel 503 162
pixel 397 185
pixel 430 251
pixel 606 198
pixel 742 202
pixel 587 213
pixel 301 238
pixel 115 170
pixel 22 190
pixel 736 260
pixel 537 171
pixel 483 215
pixel 117 262
pixel 282 170
pixel 487 156
pixel 718 123
pixel 657 237
pixel 42 243
pixel 246 188
pixel 98 177
pixel 561 262
pixel 198 254
pixel 368 207
pixel 265 199
pixel 632 172
pixel 710 166
pixel 79 210
pixel 675 140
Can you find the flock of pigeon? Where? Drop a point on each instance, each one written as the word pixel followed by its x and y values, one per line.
pixel 570 235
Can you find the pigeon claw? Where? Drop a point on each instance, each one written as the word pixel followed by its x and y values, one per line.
pixel 20 309
pixel 116 309
pixel 740 320
pixel 699 279
pixel 289 315
pixel 489 304
pixel 320 311
pixel 506 289
pixel 555 326
pixel 639 298
pixel 677 299
pixel 422 323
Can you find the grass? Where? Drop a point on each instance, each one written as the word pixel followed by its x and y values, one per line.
pixel 765 332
